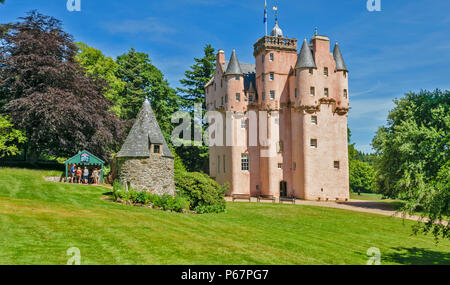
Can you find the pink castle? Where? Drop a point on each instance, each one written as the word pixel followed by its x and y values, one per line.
pixel 305 100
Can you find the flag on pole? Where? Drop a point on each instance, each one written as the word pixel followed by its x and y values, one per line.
pixel 265 11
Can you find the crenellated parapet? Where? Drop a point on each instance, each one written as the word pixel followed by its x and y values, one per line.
pixel 278 43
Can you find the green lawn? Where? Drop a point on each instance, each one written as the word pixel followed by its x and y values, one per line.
pixel 40 220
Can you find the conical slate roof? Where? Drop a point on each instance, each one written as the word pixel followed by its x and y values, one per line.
pixel 340 64
pixel 305 58
pixel 144 132
pixel 234 68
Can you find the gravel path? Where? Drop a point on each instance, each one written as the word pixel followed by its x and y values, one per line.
pixel 366 206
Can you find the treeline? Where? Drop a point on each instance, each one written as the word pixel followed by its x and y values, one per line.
pixel 58 96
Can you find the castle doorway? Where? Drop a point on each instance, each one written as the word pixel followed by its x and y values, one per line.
pixel 283 189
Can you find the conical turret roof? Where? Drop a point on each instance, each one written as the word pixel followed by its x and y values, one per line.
pixel 340 64
pixel 305 58
pixel 234 68
pixel 144 132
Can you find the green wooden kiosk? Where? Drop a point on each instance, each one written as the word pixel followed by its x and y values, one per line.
pixel 85 158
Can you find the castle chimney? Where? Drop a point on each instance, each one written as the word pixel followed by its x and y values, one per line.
pixel 220 57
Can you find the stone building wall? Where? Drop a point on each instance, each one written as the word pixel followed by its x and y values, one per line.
pixel 154 174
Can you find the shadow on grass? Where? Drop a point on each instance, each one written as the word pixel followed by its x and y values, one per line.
pixel 370 205
pixel 417 256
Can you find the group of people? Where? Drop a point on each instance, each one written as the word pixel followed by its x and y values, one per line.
pixel 84 176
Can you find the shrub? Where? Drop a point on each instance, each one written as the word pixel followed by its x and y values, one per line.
pixel 203 193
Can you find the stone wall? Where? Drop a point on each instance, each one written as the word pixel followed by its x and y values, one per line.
pixel 154 174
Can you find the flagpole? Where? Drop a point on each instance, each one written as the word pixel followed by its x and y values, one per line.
pixel 265 13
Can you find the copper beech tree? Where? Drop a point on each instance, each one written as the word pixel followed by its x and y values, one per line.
pixel 49 96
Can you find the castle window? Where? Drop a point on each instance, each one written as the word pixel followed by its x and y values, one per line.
pixel 271 57
pixel 311 71
pixel 156 149
pixel 345 93
pixel 243 124
pixel 272 94
pixel 296 93
pixel 264 95
pixel 238 97
pixel 336 164
pixel 263 57
pixel 218 164
pixel 280 165
pixel 312 91
pixel 314 120
pixel 325 92
pixel 272 76
pixel 222 100
pixel 325 71
pixel 277 121
pixel 280 146
pixel 251 98
pixel 294 166
pixel 245 162
pixel 314 143
pixel 345 74
pixel 226 98
pixel 237 78
pixel 224 165
pixel 263 77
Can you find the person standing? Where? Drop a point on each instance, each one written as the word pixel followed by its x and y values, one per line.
pixel 95 175
pixel 79 173
pixel 73 173
pixel 86 175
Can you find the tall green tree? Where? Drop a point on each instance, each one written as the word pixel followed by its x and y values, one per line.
pixel 143 80
pixel 413 157
pixel 48 95
pixel 97 64
pixel 10 138
pixel 196 78
pixel 196 158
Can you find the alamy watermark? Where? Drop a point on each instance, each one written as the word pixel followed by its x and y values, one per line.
pixel 74 254
pixel 374 5
pixel 73 5
pixel 250 129
pixel 374 255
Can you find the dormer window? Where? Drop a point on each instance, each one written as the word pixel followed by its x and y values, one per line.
pixel 156 149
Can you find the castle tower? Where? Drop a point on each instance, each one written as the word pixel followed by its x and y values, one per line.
pixel 299 102
pixel 320 123
pixel 275 58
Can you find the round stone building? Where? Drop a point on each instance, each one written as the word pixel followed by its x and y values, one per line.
pixel 145 162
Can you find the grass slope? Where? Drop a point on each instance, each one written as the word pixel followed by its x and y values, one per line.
pixel 40 220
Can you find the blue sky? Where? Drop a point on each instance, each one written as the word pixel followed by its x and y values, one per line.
pixel 405 47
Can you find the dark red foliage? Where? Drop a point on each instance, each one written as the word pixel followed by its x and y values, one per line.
pixel 49 95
